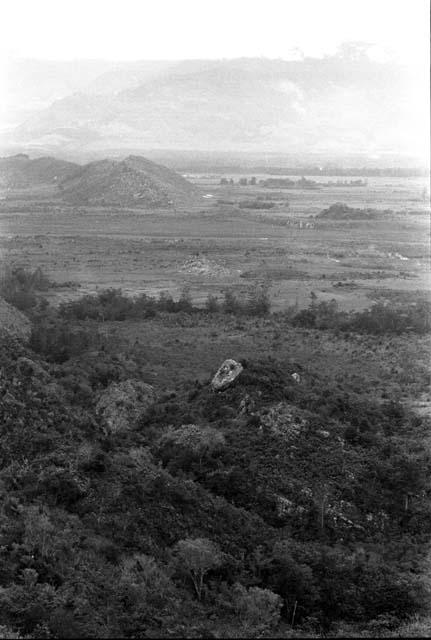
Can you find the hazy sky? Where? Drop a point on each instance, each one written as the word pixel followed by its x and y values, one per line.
pixel 176 29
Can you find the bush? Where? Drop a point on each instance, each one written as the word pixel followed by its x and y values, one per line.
pixel 20 286
pixel 258 303
pixel 58 341
pixel 190 443
pixel 212 304
pixel 256 607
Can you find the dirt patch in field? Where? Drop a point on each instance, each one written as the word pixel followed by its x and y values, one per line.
pixel 202 266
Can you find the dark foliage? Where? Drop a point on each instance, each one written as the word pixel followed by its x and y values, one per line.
pixel 269 505
pixel 21 287
pixel 112 304
pixel 380 319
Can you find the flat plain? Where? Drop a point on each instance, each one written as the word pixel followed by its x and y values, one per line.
pixel 217 242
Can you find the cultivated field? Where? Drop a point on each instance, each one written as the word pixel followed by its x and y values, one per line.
pixel 218 242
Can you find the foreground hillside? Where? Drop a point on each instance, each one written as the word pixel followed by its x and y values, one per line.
pixel 137 501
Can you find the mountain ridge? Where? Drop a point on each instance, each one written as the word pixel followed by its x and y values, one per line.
pixel 337 104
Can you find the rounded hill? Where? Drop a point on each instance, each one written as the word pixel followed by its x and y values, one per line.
pixel 21 171
pixel 134 181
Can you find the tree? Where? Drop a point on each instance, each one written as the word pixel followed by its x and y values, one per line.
pixel 185 301
pixel 144 580
pixel 259 303
pixel 230 303
pixel 211 303
pixel 198 556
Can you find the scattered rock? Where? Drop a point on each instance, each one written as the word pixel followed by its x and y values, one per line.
pixel 123 403
pixel 226 375
pixel 202 266
pixel 296 377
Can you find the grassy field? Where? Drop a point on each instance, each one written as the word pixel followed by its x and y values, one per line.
pixel 216 244
pixel 175 348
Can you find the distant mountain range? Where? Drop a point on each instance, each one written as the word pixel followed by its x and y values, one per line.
pixel 133 181
pixel 335 105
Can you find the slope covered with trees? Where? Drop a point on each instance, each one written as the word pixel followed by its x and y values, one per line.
pixel 286 504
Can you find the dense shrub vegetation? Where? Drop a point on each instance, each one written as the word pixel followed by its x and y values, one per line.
pixel 283 505
pixel 111 304
pixel 20 286
pixel 23 288
pixel 379 319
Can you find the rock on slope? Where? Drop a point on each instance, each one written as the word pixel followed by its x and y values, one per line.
pixel 132 181
pixel 21 171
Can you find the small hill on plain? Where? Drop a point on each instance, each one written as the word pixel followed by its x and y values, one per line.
pixel 20 171
pixel 134 181
pixel 341 211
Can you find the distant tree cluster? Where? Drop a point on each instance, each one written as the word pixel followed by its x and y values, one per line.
pixel 378 319
pixel 112 304
pixel 242 182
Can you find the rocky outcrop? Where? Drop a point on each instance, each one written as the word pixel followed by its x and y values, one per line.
pixel 123 403
pixel 226 375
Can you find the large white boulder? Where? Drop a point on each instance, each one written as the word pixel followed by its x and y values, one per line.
pixel 226 375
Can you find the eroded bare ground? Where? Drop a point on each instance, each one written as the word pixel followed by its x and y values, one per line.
pixel 215 243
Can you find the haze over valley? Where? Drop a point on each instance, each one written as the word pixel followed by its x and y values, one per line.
pixel 332 107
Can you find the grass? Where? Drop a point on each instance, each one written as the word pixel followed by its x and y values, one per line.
pixel 180 347
pixel 144 250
